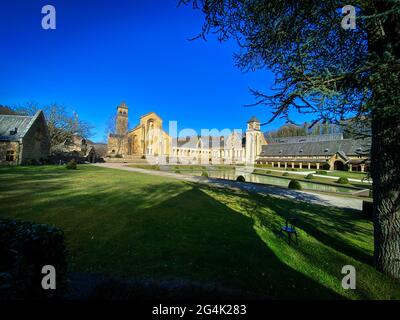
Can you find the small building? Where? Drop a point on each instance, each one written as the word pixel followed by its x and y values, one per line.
pixel 78 148
pixel 23 139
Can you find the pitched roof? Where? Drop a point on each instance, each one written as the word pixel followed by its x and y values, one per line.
pixel 345 147
pixel 253 119
pixel 297 139
pixel 9 123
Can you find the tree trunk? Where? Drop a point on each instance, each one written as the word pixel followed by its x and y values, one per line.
pixel 385 149
pixel 385 170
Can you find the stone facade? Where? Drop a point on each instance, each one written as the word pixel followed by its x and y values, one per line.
pixel 23 139
pixel 148 140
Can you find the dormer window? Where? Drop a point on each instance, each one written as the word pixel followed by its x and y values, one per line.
pixel 301 150
pixel 13 132
pixel 326 150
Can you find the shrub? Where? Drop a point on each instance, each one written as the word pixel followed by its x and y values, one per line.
pixel 268 171
pixel 240 179
pixel 177 171
pixel 204 174
pixel 30 162
pixel 26 247
pixel 285 174
pixel 294 184
pixel 343 180
pixel 143 157
pixel 118 155
pixel 310 176
pixel 326 166
pixel 323 172
pixel 71 165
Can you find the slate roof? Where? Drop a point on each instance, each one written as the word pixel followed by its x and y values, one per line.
pixel 298 139
pixel 8 123
pixel 253 119
pixel 345 147
pixel 208 141
pixel 191 142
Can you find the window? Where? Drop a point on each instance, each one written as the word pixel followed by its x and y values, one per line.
pixel 10 155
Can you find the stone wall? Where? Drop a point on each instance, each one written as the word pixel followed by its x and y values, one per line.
pixel 36 142
pixel 9 146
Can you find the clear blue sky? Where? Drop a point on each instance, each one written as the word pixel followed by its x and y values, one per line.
pixel 107 51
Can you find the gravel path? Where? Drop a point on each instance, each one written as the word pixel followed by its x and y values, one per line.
pixel 306 196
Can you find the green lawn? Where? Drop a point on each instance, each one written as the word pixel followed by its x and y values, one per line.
pixel 329 181
pixel 347 174
pixel 133 224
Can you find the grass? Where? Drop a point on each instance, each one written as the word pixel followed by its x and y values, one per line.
pixel 347 174
pixel 132 224
pixel 314 179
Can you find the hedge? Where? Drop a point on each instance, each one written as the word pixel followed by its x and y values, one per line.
pixel 26 247
pixel 294 184
pixel 343 180
pixel 71 165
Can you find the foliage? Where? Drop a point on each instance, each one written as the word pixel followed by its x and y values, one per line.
pixel 204 174
pixel 118 155
pixel 294 184
pixel 310 176
pixel 285 174
pixel 25 248
pixel 334 73
pixel 71 165
pixel 343 180
pixel 325 166
pixel 322 172
pixel 61 124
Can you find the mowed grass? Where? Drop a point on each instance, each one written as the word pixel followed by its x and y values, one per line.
pixel 137 225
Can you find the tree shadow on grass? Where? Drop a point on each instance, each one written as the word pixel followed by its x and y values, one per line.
pixel 193 236
pixel 326 224
pixel 165 230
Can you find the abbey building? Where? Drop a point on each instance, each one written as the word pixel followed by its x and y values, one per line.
pixel 148 140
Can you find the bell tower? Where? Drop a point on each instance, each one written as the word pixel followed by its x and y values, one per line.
pixel 254 140
pixel 121 122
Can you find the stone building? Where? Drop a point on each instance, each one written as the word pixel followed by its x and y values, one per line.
pixel 330 152
pixel 23 139
pixel 78 148
pixel 148 140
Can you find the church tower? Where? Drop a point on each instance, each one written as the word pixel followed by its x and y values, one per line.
pixel 121 122
pixel 254 140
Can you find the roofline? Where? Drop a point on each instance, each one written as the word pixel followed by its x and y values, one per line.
pixel 145 115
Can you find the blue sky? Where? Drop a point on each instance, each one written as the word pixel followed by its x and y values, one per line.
pixel 104 52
